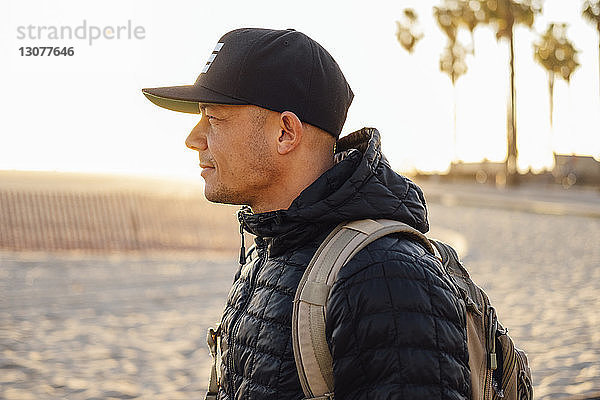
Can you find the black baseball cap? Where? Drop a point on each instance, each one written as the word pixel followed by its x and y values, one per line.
pixel 281 70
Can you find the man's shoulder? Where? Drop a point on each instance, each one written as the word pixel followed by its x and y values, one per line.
pixel 393 273
pixel 394 253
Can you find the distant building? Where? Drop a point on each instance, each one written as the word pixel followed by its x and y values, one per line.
pixel 485 171
pixel 576 169
pixel 568 170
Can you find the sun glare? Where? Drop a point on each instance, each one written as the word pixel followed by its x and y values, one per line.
pixel 91 115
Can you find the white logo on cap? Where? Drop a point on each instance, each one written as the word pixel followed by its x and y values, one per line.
pixel 212 57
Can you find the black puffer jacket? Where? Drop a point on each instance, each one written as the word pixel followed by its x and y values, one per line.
pixel 393 325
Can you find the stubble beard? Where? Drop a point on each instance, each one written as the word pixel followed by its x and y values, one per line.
pixel 259 173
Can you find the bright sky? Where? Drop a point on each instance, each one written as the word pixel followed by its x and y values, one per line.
pixel 86 112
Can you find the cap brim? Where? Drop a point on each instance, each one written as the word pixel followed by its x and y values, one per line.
pixel 186 98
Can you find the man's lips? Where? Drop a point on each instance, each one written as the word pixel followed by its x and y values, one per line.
pixel 206 168
pixel 206 163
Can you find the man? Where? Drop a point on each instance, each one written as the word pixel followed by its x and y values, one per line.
pixel 272 104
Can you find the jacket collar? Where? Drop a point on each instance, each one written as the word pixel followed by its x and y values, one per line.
pixel 360 185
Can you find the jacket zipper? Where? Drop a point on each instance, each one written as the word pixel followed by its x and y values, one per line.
pixel 237 320
pixel 490 352
pixel 508 364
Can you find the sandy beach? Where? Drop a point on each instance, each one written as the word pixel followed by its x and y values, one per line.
pixel 132 324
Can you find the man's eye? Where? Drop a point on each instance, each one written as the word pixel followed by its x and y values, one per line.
pixel 204 113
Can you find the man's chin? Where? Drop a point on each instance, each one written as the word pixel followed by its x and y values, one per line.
pixel 220 196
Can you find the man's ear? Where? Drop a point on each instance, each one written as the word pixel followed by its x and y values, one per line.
pixel 290 132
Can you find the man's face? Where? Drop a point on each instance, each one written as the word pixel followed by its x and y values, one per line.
pixel 236 161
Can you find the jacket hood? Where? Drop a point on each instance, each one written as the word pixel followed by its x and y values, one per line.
pixel 360 185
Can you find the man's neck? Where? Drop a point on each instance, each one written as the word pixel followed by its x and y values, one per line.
pixel 281 196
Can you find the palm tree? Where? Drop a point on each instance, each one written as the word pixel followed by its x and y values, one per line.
pixel 408 33
pixel 452 59
pixel 504 15
pixel 556 53
pixel 452 62
pixel 454 14
pixel 591 12
pixel 469 15
pixel 446 16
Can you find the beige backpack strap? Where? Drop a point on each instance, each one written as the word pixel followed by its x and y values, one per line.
pixel 311 352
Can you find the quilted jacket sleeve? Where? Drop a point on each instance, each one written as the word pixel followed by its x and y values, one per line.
pixel 395 329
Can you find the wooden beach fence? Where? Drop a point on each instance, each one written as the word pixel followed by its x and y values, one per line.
pixel 48 220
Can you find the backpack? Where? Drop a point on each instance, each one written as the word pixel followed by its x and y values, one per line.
pixel 498 369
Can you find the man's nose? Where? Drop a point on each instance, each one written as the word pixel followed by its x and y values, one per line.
pixel 196 140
